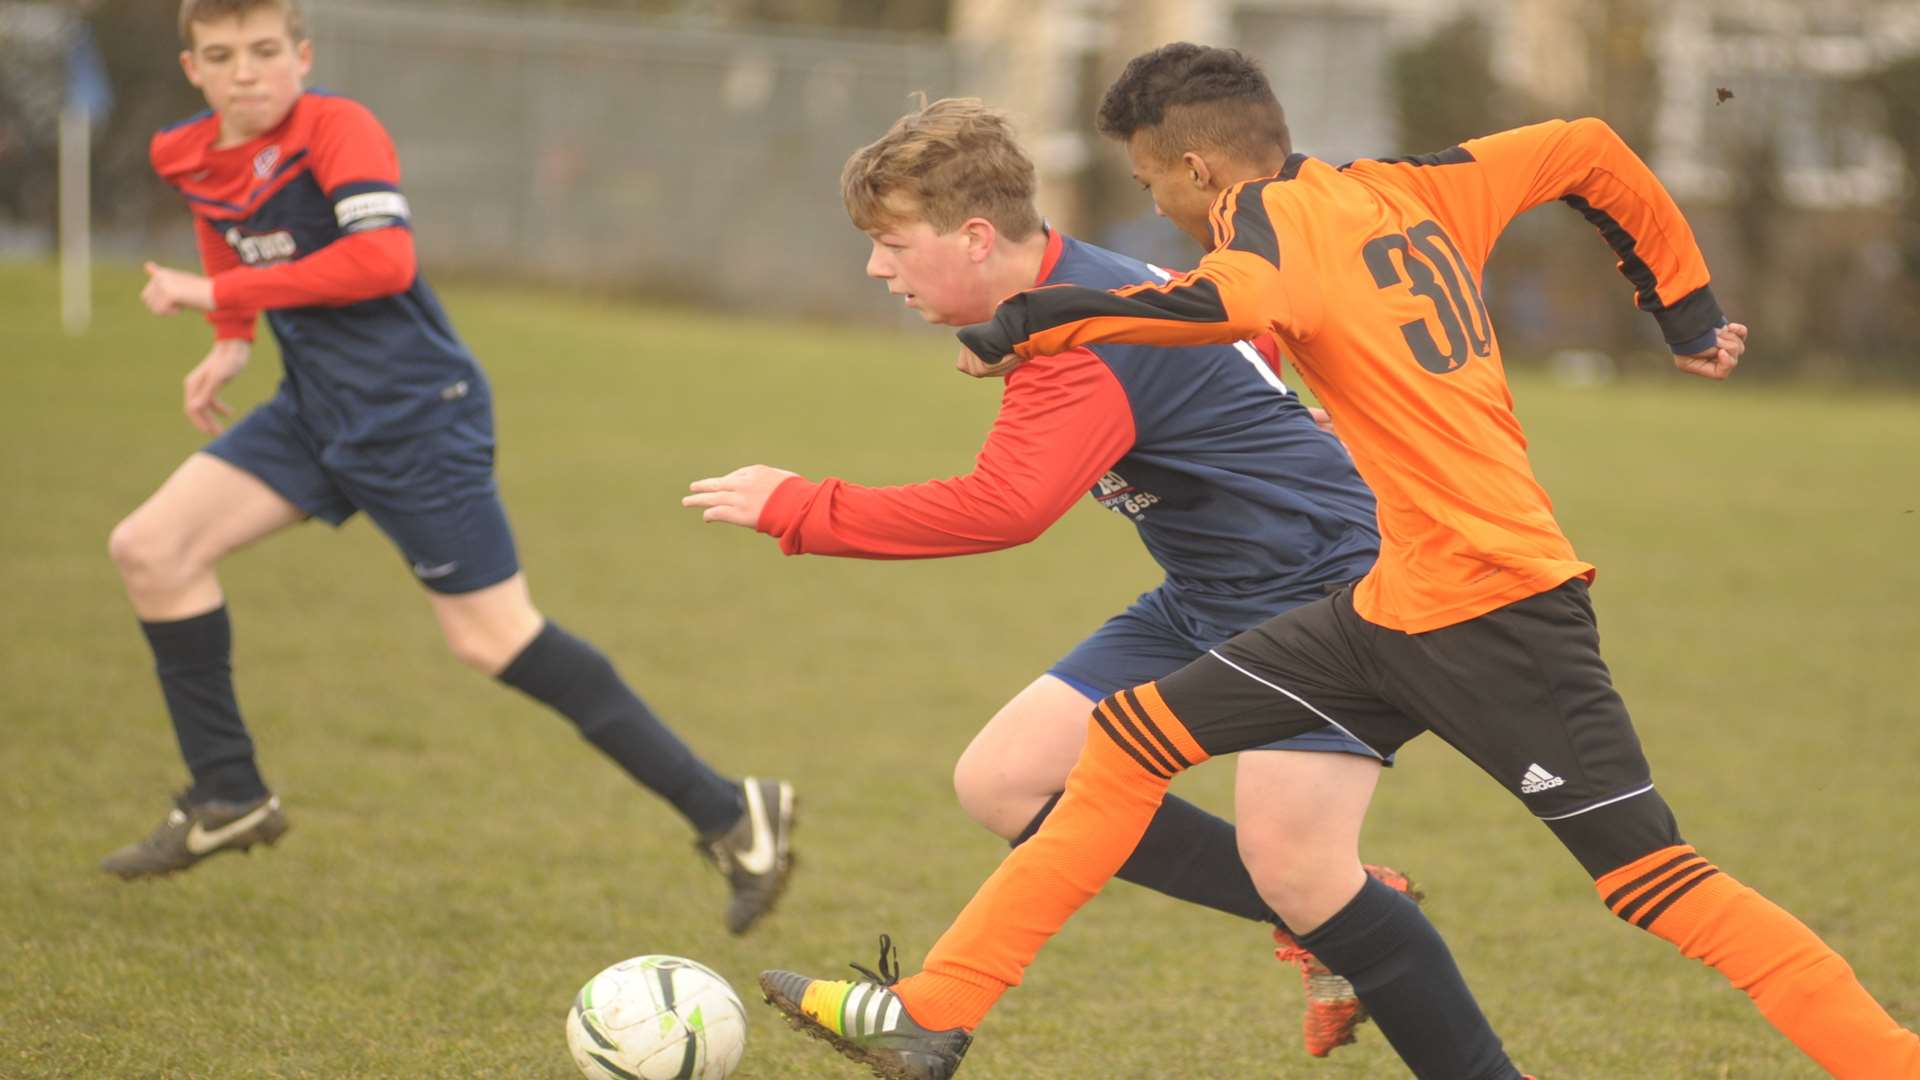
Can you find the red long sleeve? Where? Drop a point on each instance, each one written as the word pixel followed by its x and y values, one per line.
pixel 1064 420
pixel 358 266
pixel 216 258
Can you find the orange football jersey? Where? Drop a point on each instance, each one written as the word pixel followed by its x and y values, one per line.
pixel 1369 274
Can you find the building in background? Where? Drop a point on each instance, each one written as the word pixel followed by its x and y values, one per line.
pixel 691 149
pixel 1762 115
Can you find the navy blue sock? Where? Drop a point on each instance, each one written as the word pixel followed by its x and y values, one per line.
pixel 1404 974
pixel 577 680
pixel 194 659
pixel 1187 854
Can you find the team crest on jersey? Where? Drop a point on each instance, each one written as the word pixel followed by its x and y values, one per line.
pixel 264 161
pixel 263 249
pixel 1121 497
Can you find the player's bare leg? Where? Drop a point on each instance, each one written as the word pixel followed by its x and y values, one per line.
pixel 1299 818
pixel 167 551
pixel 745 826
pixel 487 628
pixel 1021 758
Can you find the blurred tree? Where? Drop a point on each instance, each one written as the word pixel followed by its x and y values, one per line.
pixel 32 82
pixel 140 45
pixel 1897 86
pixel 1444 90
pixel 1625 72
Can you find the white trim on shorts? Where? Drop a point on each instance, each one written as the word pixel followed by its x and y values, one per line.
pixel 1598 805
pixel 1305 704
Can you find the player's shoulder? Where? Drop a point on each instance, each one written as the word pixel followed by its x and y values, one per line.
pixel 1094 267
pixel 1257 204
pixel 182 143
pixel 323 111
pixel 1452 155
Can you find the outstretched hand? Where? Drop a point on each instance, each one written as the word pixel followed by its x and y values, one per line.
pixel 1718 362
pixel 738 497
pixel 169 290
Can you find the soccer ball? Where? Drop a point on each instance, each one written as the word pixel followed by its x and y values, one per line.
pixel 657 1018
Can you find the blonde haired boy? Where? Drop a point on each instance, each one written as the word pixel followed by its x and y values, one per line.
pixel 1248 507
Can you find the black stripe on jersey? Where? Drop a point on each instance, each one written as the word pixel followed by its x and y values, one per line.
pixel 990 341
pixel 1251 229
pixel 1452 155
pixel 1292 167
pixel 1023 315
pixel 1146 720
pixel 1130 720
pixel 1646 287
pixel 194 119
pixel 1621 892
pixel 1196 301
pixel 1217 222
pixel 360 187
pixel 1659 909
pixel 221 203
pixel 1627 911
pixel 1106 725
pixel 1690 317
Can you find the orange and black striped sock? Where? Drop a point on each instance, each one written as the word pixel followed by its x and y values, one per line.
pixel 1135 746
pixel 1800 985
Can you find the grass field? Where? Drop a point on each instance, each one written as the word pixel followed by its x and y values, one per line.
pixel 461 862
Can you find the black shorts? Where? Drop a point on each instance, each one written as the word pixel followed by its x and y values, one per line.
pixel 1521 691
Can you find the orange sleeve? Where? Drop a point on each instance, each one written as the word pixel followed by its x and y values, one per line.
pixel 1238 291
pixel 1485 183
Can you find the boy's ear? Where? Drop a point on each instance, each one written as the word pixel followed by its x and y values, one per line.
pixel 981 236
pixel 1198 169
pixel 187 65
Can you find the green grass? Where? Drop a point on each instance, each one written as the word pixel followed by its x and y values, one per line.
pixel 461 862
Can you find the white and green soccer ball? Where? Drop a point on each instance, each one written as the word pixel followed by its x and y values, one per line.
pixel 657 1018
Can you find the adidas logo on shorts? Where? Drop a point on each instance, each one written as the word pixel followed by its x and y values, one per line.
pixel 1538 780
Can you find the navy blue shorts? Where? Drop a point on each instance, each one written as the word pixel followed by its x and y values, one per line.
pixel 432 493
pixel 1147 642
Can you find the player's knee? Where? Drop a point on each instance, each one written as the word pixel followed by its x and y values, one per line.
pixel 1271 860
pixel 478 651
pixel 142 553
pixel 1303 884
pixel 984 793
pixel 1289 857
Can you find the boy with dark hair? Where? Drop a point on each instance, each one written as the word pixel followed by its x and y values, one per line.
pixel 1475 623
pixel 298 211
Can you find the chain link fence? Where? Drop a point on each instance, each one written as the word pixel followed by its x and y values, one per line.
pixel 672 161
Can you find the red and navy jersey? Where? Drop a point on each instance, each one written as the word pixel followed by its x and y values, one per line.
pixel 307 223
pixel 1238 496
